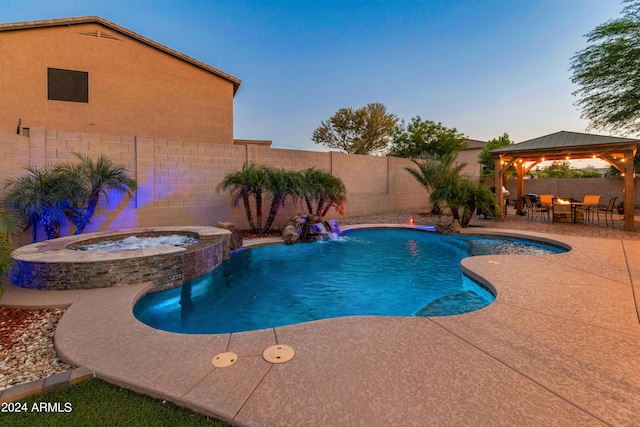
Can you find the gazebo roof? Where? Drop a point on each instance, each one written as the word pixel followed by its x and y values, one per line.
pixel 565 142
pixel 619 152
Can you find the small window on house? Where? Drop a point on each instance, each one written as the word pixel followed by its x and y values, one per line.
pixel 68 85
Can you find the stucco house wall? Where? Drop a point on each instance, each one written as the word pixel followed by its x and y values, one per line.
pixel 470 156
pixel 136 86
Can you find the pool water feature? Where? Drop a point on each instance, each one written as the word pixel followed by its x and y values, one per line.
pixel 370 272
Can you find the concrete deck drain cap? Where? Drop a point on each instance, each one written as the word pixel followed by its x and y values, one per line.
pixel 278 353
pixel 223 360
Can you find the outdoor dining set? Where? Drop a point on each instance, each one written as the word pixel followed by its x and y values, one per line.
pixel 556 209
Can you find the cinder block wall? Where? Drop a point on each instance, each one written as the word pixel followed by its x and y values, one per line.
pixel 14 154
pixel 178 179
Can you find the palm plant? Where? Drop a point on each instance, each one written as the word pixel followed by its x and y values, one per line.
pixel 245 184
pixel 280 183
pixel 463 197
pixel 452 191
pixel 47 194
pixel 312 191
pixel 433 173
pixel 95 180
pixel 479 198
pixel 322 191
pixel 41 197
pixel 441 176
pixel 8 224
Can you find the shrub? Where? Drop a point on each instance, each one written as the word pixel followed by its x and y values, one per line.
pixel 442 176
pixel 254 184
pixel 322 191
pixel 47 194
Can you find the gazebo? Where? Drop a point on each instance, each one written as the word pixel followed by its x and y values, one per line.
pixel 619 152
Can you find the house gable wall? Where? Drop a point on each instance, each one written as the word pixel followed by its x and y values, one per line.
pixel 134 88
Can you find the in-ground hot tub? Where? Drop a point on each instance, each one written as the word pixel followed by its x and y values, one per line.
pixel 61 264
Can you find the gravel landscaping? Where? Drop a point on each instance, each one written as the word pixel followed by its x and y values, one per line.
pixel 26 345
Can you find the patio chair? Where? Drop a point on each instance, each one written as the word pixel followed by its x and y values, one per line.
pixel 589 206
pixel 607 210
pixel 546 200
pixel 532 209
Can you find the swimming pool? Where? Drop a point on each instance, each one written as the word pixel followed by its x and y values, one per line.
pixel 367 272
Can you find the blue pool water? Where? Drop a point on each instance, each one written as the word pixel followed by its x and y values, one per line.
pixel 381 272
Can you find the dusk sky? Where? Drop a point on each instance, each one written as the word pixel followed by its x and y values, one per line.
pixel 484 67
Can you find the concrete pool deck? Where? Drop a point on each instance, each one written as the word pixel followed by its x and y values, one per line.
pixel 560 345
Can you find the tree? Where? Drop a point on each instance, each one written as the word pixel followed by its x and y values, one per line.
pixel 588 172
pixel 96 180
pixel 433 171
pixel 279 184
pixel 559 169
pixel 422 137
pixel 262 183
pixel 245 185
pixel 563 169
pixel 366 130
pixel 607 73
pixel 441 176
pixel 41 197
pixel 8 224
pixel 479 198
pixel 322 191
pixel 48 194
pixel 485 159
pixel 463 197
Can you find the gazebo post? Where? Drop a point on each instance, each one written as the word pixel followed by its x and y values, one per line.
pixel 498 184
pixel 520 186
pixel 629 205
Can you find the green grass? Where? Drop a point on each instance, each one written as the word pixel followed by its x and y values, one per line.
pixel 98 403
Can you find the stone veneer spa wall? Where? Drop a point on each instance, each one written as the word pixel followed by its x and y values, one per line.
pixel 56 265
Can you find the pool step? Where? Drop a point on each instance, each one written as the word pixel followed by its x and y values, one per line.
pixel 447 304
